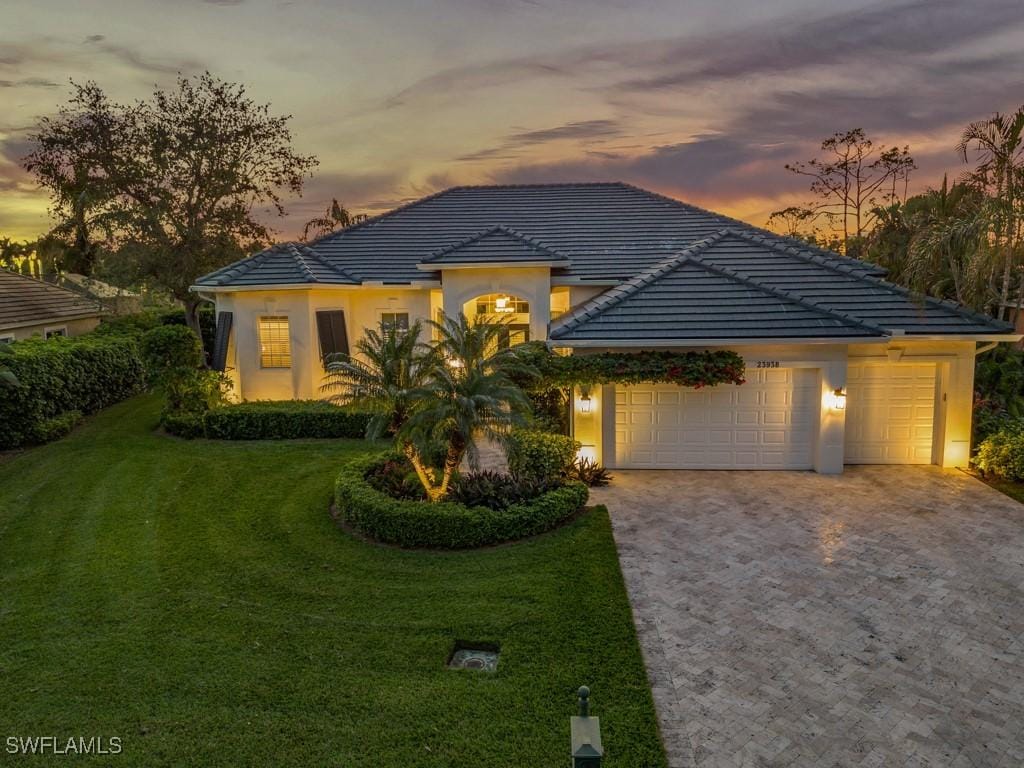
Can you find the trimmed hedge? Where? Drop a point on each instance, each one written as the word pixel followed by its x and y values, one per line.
pixel 283 420
pixel 1002 453
pixel 62 376
pixel 541 455
pixel 446 524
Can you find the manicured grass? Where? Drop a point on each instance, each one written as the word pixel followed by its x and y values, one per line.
pixel 1014 490
pixel 195 599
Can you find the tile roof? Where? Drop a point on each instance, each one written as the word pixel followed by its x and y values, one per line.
pixel 27 301
pixel 495 245
pixel 734 284
pixel 607 233
pixel 283 264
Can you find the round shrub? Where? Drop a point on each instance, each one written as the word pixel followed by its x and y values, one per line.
pixel 167 348
pixel 446 524
pixel 1002 453
pixel 541 455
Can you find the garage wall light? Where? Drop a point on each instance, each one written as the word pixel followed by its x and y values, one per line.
pixel 838 399
pixel 585 403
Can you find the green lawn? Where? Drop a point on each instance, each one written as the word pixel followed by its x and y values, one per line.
pixel 196 600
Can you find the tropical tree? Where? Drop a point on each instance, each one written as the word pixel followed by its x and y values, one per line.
pixel 336 217
pixel 849 184
pixel 385 377
pixel 437 400
pixel 996 145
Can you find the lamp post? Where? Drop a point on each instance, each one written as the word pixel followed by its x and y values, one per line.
pixel 585 730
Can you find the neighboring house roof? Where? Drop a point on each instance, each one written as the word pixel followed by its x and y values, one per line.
pixel 493 246
pixel 605 234
pixel 285 263
pixel 736 285
pixel 26 301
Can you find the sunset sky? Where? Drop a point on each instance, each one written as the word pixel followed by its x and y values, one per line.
pixel 704 100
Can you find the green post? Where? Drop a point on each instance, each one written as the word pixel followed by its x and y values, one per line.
pixel 586 735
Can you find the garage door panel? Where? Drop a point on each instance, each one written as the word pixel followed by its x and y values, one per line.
pixel 751 426
pixel 890 413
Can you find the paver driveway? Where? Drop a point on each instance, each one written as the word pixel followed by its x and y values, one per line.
pixel 793 619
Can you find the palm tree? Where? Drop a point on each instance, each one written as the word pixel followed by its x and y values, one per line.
pixel 386 378
pixel 947 242
pixel 999 149
pixel 336 217
pixel 470 394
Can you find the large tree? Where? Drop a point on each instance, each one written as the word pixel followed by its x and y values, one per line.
pixel 852 179
pixel 173 182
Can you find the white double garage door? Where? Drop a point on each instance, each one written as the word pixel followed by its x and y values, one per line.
pixel 771 421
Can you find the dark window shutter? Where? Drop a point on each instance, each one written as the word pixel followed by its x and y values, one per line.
pixel 330 325
pixel 220 341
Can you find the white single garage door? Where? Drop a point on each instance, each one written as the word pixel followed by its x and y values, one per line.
pixel 766 423
pixel 890 413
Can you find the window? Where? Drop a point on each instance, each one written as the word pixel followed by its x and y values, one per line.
pixel 395 321
pixel 49 333
pixel 275 345
pixel 8 339
pixel 502 304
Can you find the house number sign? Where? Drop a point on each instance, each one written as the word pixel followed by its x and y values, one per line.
pixel 766 364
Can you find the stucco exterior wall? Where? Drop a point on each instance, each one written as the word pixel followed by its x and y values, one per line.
pixel 74 328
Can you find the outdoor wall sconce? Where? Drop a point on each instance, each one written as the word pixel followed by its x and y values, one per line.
pixel 838 399
pixel 585 403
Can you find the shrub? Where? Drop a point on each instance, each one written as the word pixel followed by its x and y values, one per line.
pixel 588 472
pixel 184 424
pixel 495 490
pixel 1002 453
pixel 397 479
pixel 541 455
pixel 287 419
pixel 444 524
pixel 137 324
pixel 57 427
pixel 83 374
pixel 168 349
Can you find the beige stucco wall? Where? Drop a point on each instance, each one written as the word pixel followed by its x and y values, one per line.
pixel 74 328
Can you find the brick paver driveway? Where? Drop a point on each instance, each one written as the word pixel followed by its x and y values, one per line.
pixel 792 619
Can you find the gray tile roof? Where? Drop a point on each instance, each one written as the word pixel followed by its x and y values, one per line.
pixel 285 263
pixel 495 245
pixel 27 301
pixel 608 233
pixel 737 284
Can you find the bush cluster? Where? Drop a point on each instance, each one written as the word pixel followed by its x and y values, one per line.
pixel 140 322
pixel 539 455
pixel 61 379
pixel 495 490
pixel 447 524
pixel 283 420
pixel 1002 453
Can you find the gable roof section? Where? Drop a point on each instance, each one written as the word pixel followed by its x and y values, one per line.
pixel 495 245
pixel 733 285
pixel 686 298
pixel 27 301
pixel 283 264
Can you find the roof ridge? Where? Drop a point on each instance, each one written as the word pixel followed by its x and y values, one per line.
pixel 786 295
pixel 303 252
pixel 734 222
pixel 807 254
pixel 533 242
pixel 606 300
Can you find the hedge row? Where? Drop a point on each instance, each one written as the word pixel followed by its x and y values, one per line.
pixel 62 376
pixel 446 524
pixel 278 420
pixel 1001 454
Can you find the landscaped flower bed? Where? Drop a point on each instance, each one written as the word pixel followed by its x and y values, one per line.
pixel 445 524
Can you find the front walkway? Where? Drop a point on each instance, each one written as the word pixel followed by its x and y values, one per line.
pixel 793 619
